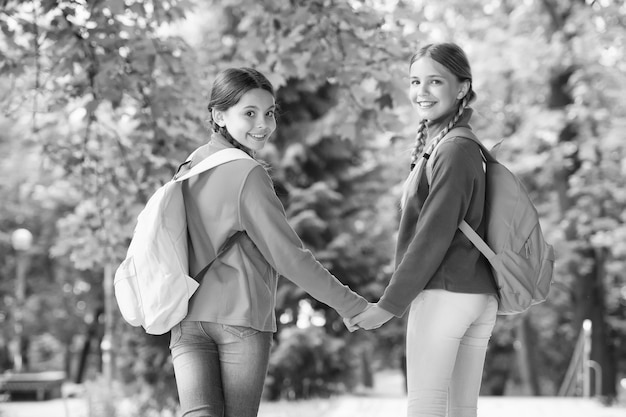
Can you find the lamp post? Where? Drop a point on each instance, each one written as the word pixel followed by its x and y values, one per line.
pixel 22 240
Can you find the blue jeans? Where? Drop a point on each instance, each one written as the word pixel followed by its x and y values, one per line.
pixel 219 369
pixel 447 336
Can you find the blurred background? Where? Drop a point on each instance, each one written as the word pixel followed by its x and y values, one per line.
pixel 101 100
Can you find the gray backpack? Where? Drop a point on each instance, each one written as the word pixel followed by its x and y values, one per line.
pixel 521 260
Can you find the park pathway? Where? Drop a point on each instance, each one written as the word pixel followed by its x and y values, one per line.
pixel 386 399
pixel 487 407
pixel 353 406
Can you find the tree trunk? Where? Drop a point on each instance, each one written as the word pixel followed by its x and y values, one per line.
pixel 367 374
pixel 589 297
pixel 91 335
pixel 527 357
pixel 107 340
pixel 602 352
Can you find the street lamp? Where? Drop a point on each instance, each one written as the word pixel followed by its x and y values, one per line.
pixel 22 240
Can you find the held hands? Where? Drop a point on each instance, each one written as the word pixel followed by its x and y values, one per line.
pixel 371 318
pixel 350 327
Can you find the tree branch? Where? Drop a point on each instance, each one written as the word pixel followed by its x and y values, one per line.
pixel 37 66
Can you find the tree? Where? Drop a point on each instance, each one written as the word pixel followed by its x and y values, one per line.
pixel 106 98
pixel 91 87
pixel 571 137
pixel 539 65
pixel 117 99
pixel 324 155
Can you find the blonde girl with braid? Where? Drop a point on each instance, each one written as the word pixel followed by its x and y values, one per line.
pixel 440 278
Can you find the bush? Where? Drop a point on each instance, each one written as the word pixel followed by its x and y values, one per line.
pixel 45 353
pixel 144 386
pixel 117 399
pixel 308 363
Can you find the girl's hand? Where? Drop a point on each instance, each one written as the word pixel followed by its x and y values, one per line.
pixel 371 318
pixel 352 327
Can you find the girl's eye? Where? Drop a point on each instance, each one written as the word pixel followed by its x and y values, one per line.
pixel 435 82
pixel 250 113
pixel 270 113
pixel 415 82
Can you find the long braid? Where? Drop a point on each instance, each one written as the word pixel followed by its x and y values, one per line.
pixel 462 106
pixel 420 143
pixel 410 185
pixel 232 141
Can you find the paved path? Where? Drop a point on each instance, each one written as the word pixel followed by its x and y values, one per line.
pixel 487 407
pixel 386 399
pixel 362 407
pixel 52 408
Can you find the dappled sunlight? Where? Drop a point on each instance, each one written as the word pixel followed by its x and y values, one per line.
pixel 101 102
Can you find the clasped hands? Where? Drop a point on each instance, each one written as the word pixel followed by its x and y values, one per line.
pixel 371 318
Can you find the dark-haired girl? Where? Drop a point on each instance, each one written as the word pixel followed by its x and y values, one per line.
pixel 221 349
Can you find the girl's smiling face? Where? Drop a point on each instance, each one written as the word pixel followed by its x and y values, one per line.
pixel 434 91
pixel 251 121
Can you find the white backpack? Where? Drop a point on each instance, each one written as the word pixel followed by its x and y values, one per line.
pixel 152 285
pixel 521 260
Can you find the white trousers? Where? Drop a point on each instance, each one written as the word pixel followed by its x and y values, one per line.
pixel 447 336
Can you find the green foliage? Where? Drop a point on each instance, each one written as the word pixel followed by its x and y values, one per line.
pixel 102 77
pixel 102 100
pixel 324 154
pixel 308 363
pixel 119 96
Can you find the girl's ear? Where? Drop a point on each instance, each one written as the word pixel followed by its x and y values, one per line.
pixel 218 117
pixel 465 85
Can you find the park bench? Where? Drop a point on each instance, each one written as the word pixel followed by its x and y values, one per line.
pixel 44 384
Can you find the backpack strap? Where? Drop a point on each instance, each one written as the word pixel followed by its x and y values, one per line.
pixel 453 133
pixel 227 245
pixel 218 158
pixel 475 238
pixel 488 154
pixel 464 227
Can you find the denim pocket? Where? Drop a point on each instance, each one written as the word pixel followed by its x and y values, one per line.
pixel 240 331
pixel 175 336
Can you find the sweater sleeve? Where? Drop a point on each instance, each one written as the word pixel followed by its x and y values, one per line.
pixel 444 208
pixel 262 216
